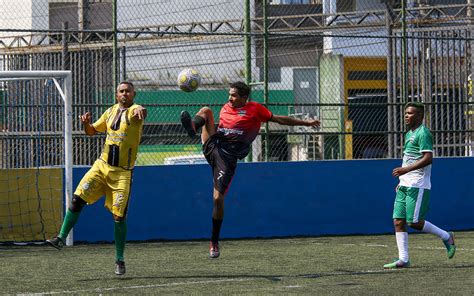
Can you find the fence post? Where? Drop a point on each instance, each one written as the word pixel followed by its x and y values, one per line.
pixel 114 48
pixel 248 56
pixel 247 44
pixel 470 99
pixel 65 50
pixel 123 56
pixel 388 26
pixel 83 18
pixel 404 82
pixel 265 73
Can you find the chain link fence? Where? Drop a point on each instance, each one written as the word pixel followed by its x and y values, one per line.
pixel 354 66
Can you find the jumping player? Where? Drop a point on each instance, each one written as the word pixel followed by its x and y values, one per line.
pixel 239 124
pixel 413 191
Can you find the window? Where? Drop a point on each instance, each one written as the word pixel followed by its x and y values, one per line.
pixel 98 15
pixel 274 74
pixel 346 5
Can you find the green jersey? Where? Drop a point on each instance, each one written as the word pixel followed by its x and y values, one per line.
pixel 417 142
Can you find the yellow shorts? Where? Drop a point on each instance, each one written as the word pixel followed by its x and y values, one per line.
pixel 104 179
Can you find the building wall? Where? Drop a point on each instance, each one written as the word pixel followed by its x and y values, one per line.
pixel 16 14
pixel 216 62
pixel 177 11
pixel 20 14
pixel 365 45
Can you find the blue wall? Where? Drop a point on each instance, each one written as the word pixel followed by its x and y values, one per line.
pixel 279 199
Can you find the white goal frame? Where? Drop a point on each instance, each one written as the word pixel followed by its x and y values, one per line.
pixel 66 94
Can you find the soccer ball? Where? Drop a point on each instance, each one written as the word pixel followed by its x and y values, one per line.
pixel 189 80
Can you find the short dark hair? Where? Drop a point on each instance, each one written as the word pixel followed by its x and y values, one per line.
pixel 242 89
pixel 128 83
pixel 420 107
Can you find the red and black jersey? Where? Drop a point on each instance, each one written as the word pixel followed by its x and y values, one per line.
pixel 238 127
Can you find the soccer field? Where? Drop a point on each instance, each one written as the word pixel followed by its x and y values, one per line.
pixel 319 265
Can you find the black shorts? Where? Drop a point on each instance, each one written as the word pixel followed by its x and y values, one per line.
pixel 223 164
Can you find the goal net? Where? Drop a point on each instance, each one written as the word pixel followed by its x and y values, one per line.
pixel 35 154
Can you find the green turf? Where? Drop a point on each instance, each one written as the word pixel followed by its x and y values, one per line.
pixel 312 266
pixel 156 154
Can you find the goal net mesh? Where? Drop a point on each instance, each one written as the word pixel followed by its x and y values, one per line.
pixel 32 159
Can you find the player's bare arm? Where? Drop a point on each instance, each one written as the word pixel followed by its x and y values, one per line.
pixel 86 121
pixel 427 159
pixel 139 113
pixel 285 120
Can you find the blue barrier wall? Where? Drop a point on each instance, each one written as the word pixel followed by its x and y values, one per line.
pixel 279 199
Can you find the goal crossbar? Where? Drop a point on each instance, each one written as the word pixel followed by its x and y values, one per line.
pixel 66 94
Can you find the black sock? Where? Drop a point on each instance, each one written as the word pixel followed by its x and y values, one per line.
pixel 199 121
pixel 216 229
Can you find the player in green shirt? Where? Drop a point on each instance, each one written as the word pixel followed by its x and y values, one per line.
pixel 413 191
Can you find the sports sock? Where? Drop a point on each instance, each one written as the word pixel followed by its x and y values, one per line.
pixel 69 221
pixel 216 229
pixel 402 244
pixel 433 229
pixel 199 121
pixel 120 235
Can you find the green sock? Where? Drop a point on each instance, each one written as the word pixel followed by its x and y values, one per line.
pixel 120 234
pixel 69 221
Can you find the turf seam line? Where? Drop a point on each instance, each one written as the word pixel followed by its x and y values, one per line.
pixel 136 287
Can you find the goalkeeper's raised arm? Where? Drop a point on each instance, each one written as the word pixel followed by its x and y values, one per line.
pixel 86 122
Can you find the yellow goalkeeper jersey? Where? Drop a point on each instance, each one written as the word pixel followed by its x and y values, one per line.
pixel 123 136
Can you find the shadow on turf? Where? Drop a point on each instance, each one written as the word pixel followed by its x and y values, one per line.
pixel 273 278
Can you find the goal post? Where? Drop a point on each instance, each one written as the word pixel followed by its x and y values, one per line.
pixel 64 89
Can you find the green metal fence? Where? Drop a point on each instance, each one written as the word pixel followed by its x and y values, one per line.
pixel 348 66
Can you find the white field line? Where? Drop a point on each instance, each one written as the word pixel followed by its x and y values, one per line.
pixel 345 244
pixel 419 248
pixel 98 290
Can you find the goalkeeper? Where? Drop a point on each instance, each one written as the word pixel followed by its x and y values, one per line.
pixel 111 174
